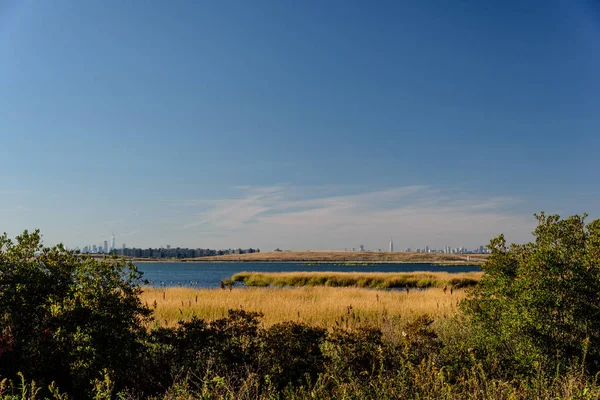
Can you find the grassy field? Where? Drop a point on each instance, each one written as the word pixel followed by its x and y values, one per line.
pixel 373 280
pixel 319 306
pixel 350 256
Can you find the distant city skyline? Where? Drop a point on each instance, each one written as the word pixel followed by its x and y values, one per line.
pixel 165 252
pixel 304 125
pixel 361 248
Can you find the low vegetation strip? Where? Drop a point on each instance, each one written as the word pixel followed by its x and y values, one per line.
pixel 373 280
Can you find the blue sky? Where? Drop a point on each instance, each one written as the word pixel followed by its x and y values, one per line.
pixel 313 124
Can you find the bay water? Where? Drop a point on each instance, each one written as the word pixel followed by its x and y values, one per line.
pixel 209 275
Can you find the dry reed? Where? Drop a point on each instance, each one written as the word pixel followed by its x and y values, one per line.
pixel 318 306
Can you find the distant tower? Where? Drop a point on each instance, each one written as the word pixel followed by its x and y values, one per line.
pixel 112 242
pixel 106 246
pixel 391 245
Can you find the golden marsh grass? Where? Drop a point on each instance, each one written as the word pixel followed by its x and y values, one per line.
pixel 373 280
pixel 317 306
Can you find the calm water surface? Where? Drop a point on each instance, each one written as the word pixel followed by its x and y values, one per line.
pixel 209 275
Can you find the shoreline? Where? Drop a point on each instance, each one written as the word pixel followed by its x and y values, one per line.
pixel 308 258
pixel 308 263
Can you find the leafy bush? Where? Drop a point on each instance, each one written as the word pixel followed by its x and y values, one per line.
pixel 289 352
pixel 419 341
pixel 540 302
pixel 234 346
pixel 197 351
pixel 353 353
pixel 66 318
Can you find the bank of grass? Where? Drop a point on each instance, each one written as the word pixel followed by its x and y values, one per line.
pixel 372 280
pixel 317 306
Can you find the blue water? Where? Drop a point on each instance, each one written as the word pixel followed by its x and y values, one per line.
pixel 209 275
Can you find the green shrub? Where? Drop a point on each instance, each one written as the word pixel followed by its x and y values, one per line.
pixel 67 318
pixel 540 302
pixel 233 344
pixel 353 353
pixel 419 340
pixel 290 352
pixel 195 352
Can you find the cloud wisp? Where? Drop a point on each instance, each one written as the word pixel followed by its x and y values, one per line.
pixel 296 217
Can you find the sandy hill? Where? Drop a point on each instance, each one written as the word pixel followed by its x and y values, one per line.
pixel 347 256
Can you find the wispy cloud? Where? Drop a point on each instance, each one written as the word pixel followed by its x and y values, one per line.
pixel 114 221
pixel 9 192
pixel 297 217
pixel 19 208
pixel 131 233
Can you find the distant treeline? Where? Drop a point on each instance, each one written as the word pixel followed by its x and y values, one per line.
pixel 178 252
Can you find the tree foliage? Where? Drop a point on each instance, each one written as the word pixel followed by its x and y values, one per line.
pixel 67 318
pixel 540 302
